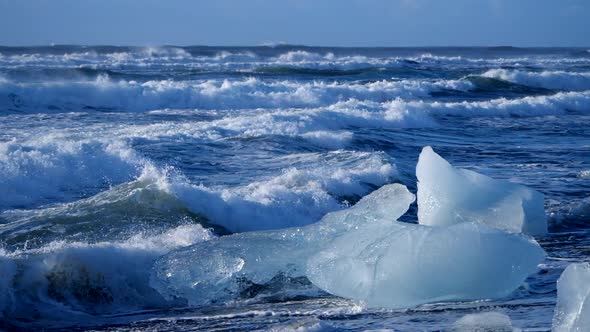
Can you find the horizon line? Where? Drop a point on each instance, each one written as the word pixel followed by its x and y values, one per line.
pixel 277 45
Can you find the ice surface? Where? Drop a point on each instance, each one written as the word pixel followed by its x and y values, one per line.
pixel 221 269
pixel 447 196
pixel 360 253
pixel 572 313
pixel 399 265
pixel 484 322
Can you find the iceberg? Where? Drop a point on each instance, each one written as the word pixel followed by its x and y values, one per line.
pixel 360 253
pixel 572 312
pixel 447 195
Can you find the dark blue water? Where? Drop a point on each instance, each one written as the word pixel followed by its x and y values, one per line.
pixel 111 157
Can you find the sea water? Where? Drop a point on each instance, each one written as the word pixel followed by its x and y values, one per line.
pixel 114 157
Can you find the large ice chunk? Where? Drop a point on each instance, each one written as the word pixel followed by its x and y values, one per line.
pixel 224 268
pixel 447 195
pixel 572 312
pixel 359 253
pixel 398 265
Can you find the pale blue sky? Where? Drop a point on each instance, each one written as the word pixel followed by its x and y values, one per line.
pixel 309 22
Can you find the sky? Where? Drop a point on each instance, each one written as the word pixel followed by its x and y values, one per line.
pixel 302 22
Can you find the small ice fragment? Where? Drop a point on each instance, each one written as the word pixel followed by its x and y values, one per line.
pixel 572 312
pixel 447 195
pixel 484 322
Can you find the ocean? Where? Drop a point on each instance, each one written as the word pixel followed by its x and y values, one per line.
pixel 113 157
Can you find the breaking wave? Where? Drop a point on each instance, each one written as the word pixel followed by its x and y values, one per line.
pixel 107 94
pixel 49 169
pixel 554 104
pixel 73 280
pixel 297 195
pixel 559 80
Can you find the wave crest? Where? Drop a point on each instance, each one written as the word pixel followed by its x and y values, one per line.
pixel 559 80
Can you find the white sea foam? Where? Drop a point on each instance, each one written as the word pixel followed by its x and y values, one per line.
pixel 104 93
pixel 562 80
pixel 515 61
pixel 554 104
pixel 47 169
pixel 304 56
pixel 161 58
pixel 325 126
pixel 171 58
